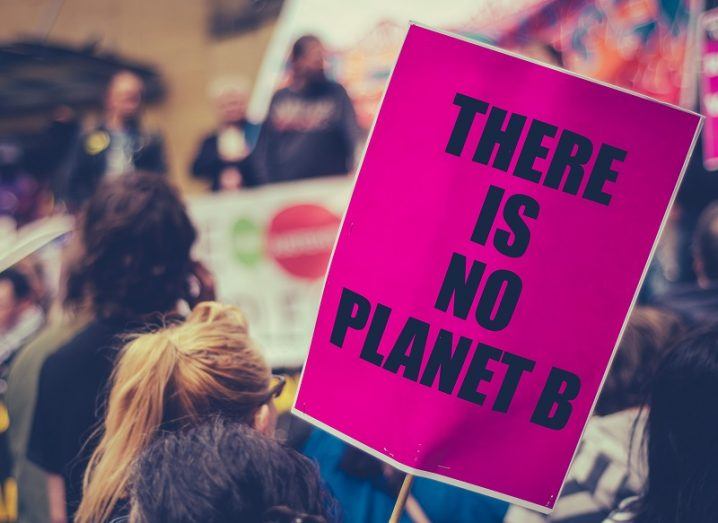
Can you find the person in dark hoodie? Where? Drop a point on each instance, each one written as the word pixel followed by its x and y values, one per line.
pixel 119 145
pixel 311 128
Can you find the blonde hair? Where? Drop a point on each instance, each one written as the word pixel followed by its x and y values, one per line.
pixel 175 376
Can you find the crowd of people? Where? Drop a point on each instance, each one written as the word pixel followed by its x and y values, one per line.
pixel 145 400
pixel 310 131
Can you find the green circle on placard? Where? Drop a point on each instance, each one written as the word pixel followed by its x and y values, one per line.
pixel 246 242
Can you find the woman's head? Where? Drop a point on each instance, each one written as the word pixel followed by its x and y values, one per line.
pixel 222 472
pixel 682 434
pixel 170 379
pixel 134 240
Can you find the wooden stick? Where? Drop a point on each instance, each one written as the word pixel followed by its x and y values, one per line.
pixel 401 499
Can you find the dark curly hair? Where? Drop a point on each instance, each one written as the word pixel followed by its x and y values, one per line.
pixel 225 472
pixel 135 238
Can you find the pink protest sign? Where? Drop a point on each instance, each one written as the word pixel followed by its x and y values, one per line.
pixel 709 86
pixel 500 224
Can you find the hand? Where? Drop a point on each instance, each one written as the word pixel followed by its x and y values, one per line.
pixel 230 179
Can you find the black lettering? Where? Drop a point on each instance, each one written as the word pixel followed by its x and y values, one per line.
pixel 370 349
pixel 602 172
pixel 573 152
pixel 499 280
pixel 561 387
pixel 459 286
pixel 516 206
pixel 506 139
pixel 353 312
pixel 478 372
pixel 487 215
pixel 413 336
pixel 469 107
pixel 443 362
pixel 517 365
pixel 533 149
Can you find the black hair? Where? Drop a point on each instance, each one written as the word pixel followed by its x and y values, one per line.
pixel 300 46
pixel 20 283
pixel 682 435
pixel 225 472
pixel 649 334
pixel 136 238
pixel 705 241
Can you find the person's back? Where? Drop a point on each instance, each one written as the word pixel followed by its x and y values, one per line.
pixel 70 400
pixel 221 472
pixel 135 239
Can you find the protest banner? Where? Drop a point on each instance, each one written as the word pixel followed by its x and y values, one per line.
pixel 709 86
pixel 268 249
pixel 500 225
pixel 642 45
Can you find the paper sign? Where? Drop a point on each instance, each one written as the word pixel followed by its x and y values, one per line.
pixel 709 87
pixel 499 227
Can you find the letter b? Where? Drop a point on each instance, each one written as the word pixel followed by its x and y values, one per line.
pixel 554 406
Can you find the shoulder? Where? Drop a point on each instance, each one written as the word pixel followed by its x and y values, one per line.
pixel 31 357
pixel 90 340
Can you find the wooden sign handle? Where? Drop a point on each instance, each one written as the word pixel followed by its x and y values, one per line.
pixel 401 499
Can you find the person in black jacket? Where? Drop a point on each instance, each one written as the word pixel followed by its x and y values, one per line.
pixel 222 158
pixel 118 145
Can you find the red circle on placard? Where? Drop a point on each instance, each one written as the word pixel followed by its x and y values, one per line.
pixel 300 239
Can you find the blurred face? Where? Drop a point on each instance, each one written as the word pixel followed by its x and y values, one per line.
pixel 8 305
pixel 232 106
pixel 311 63
pixel 124 96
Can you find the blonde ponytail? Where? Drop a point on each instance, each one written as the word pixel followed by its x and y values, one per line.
pixel 172 377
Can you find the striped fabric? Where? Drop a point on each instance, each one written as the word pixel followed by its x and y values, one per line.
pixel 601 476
